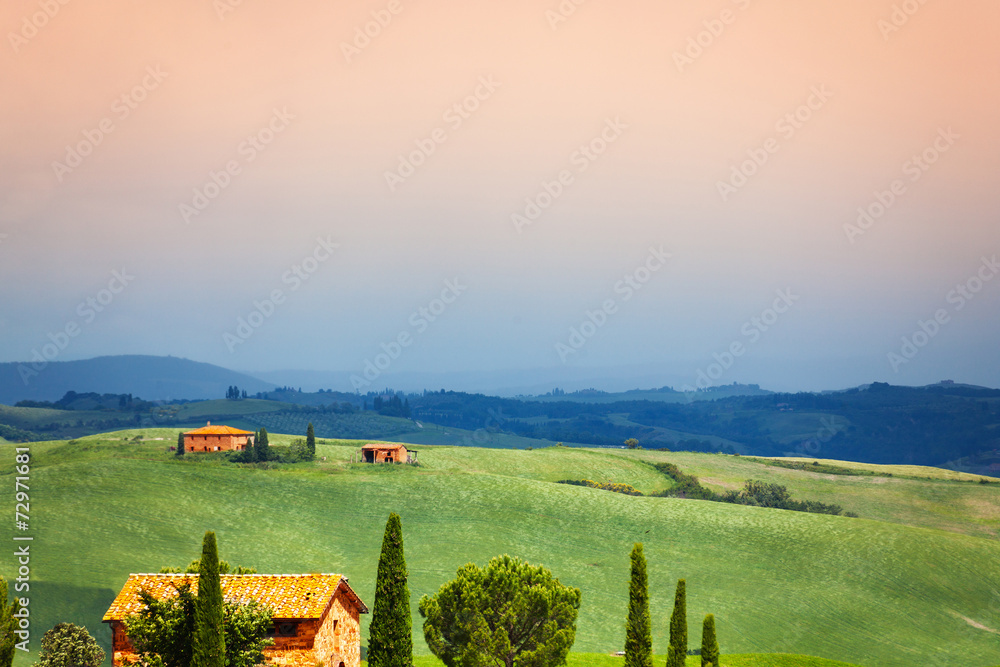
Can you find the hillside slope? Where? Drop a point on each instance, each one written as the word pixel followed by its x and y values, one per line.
pixel 856 590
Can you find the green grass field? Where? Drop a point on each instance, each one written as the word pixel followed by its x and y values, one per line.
pixel 914 496
pixel 912 582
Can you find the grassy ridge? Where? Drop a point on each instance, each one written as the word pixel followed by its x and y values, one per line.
pixel 933 498
pixel 866 592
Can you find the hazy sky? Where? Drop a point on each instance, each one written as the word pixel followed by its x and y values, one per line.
pixel 689 174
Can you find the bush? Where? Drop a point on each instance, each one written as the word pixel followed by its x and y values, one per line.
pixel 687 485
pixel 616 487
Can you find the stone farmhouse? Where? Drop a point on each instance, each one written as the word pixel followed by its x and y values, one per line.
pixel 210 438
pixel 316 616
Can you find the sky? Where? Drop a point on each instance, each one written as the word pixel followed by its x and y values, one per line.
pixel 802 195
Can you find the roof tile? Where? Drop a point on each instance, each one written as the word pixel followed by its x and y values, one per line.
pixel 288 595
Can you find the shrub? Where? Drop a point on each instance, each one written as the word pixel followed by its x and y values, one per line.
pixel 616 487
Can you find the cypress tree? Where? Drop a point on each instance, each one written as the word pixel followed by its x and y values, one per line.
pixel 677 654
pixel 250 452
pixel 638 631
pixel 311 440
pixel 180 444
pixel 709 645
pixel 390 643
pixel 263 449
pixel 208 646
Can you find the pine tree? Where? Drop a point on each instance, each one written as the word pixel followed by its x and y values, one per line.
pixel 311 440
pixel 709 645
pixel 390 643
pixel 180 444
pixel 677 653
pixel 638 631
pixel 263 450
pixel 208 644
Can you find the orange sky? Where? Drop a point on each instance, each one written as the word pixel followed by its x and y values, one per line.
pixel 886 96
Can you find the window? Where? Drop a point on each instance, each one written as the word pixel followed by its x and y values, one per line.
pixel 285 629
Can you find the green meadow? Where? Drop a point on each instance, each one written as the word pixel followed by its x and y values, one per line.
pixel 913 581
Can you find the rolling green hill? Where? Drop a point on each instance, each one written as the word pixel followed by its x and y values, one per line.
pixel 862 591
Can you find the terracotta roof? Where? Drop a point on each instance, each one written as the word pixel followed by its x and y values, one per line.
pixel 218 430
pixel 288 595
pixel 383 445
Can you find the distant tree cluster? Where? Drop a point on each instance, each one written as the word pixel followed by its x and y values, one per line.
pixel 234 393
pixel 260 451
pixel 93 401
pixel 392 407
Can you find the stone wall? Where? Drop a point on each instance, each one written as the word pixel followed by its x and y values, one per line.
pixel 339 637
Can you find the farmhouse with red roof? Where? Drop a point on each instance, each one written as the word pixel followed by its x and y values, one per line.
pixel 383 452
pixel 316 616
pixel 217 439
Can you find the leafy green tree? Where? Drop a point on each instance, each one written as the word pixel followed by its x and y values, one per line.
pixel 677 653
pixel 8 624
pixel 246 633
pixel 180 444
pixel 631 443
pixel 263 449
pixel 162 631
pixel 709 645
pixel 311 440
pixel 508 613
pixel 390 641
pixel 68 645
pixel 638 631
pixel 208 641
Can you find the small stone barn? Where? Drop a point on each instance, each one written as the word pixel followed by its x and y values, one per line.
pixel 383 452
pixel 210 438
pixel 316 616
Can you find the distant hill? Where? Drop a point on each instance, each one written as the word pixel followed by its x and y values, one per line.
pixel 149 377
